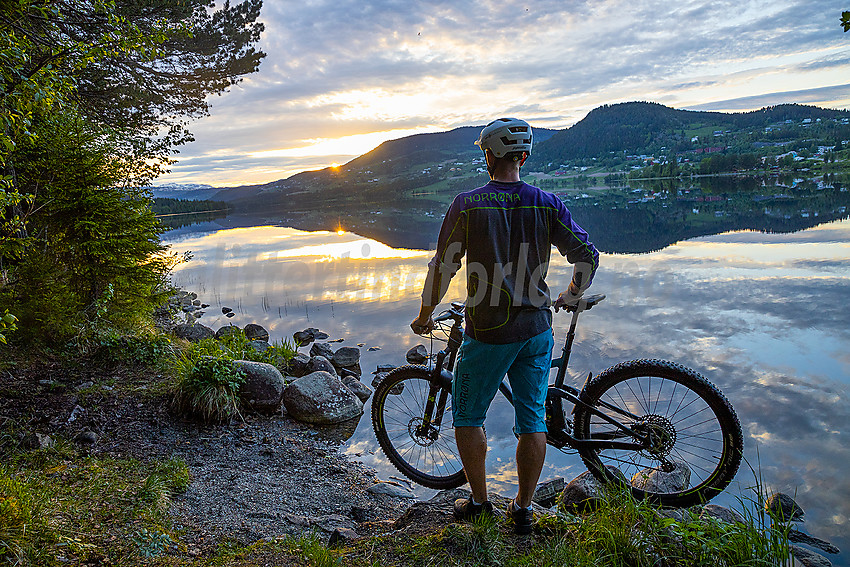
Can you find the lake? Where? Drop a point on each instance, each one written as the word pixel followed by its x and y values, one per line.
pixel 763 315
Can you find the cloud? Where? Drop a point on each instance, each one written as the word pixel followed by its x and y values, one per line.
pixel 347 68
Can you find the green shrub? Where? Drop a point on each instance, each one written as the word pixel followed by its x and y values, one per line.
pixel 148 349
pixel 209 388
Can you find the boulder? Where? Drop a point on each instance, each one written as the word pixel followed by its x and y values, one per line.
pixel 655 480
pixel 357 388
pixel 193 333
pixel 298 365
pixel 583 491
pixel 417 355
pixel 227 331
pixel 783 508
pixel 260 346
pixel 256 332
pixel 346 357
pixel 263 387
pixel 342 536
pixel 321 398
pixel 322 349
pixel 320 363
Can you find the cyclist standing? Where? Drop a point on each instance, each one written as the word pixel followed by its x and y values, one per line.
pixel 506 229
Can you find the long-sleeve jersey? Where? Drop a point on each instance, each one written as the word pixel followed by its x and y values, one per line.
pixel 506 231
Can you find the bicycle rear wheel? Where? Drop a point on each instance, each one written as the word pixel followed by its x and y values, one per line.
pixel 426 455
pixel 694 443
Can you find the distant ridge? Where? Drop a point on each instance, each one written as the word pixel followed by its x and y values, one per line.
pixel 647 127
pixel 398 167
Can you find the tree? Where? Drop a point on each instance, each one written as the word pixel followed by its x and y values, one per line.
pixel 845 21
pixel 94 97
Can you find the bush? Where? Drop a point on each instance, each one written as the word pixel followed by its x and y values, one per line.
pixel 209 389
pixel 147 349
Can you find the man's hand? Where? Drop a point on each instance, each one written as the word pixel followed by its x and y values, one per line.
pixel 568 298
pixel 422 327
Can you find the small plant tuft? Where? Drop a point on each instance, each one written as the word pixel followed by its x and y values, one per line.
pixel 209 389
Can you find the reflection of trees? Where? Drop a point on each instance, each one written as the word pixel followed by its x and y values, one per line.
pixel 618 221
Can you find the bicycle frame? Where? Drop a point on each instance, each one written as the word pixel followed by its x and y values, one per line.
pixel 560 435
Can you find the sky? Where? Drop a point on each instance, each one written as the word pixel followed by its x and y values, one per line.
pixel 342 76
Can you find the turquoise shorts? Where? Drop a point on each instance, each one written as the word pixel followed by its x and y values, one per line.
pixel 480 369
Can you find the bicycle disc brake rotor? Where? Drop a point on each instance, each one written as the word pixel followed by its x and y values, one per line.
pixel 423 438
pixel 660 433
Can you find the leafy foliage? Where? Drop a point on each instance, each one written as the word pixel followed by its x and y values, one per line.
pixel 209 389
pixel 845 21
pixel 95 96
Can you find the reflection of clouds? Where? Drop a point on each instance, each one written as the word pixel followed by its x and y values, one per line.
pixel 766 322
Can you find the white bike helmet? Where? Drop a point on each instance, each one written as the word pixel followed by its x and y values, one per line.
pixel 505 135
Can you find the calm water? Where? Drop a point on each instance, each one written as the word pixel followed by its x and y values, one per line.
pixel 763 316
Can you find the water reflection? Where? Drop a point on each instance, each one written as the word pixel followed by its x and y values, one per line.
pixel 761 315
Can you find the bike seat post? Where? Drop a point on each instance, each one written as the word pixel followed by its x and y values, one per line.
pixel 568 347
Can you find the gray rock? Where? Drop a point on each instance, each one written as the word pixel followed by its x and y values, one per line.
pixel 357 387
pixel 260 346
pixel 346 356
pixel 320 364
pixel 322 349
pixel 298 365
pixel 385 368
pixel 263 387
pixel 321 398
pixel 193 333
pixel 227 331
pixel 391 489
pixel 661 481
pixel 302 338
pixel 809 558
pixel 723 513
pixel 230 314
pixel 796 536
pixel 583 491
pixel 36 441
pixel 86 437
pixel 783 508
pixel 546 493
pixel 256 332
pixel 226 310
pixel 374 348
pixel 376 381
pixel 342 536
pixel 84 386
pixel 417 355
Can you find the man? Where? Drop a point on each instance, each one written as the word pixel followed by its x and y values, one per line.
pixel 506 229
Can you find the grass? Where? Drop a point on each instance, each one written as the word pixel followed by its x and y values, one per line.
pixel 59 506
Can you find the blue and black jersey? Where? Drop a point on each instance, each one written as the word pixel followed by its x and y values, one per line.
pixel 506 231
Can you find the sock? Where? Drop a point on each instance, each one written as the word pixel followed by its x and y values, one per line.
pixel 517 506
pixel 474 503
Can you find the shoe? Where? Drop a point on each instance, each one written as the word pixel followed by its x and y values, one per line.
pixel 466 510
pixel 523 518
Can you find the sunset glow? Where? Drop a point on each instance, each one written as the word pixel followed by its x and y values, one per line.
pixel 341 78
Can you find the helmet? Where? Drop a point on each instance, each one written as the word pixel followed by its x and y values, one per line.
pixel 505 135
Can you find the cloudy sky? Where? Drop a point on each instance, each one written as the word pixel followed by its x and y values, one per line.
pixel 342 76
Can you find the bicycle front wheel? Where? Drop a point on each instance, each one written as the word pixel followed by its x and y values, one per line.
pixel 690 438
pixel 423 452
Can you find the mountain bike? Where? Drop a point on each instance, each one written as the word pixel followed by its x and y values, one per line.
pixel 635 423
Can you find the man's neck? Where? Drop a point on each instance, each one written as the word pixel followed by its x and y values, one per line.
pixel 511 176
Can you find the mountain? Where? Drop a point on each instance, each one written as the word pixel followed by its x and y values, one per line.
pixel 435 166
pixel 652 129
